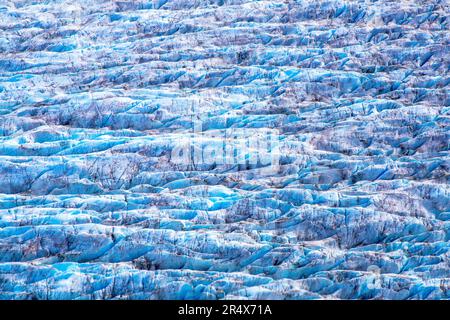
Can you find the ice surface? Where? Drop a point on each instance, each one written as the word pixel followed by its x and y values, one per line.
pixel 96 94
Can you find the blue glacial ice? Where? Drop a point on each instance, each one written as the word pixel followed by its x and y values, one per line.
pixel 95 95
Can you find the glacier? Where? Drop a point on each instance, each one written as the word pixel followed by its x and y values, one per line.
pixel 96 95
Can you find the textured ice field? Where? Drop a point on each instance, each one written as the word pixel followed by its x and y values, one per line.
pixel 96 95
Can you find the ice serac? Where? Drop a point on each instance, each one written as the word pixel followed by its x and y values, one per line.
pixel 95 95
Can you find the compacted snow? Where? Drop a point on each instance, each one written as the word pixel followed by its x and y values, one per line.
pixel 108 189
